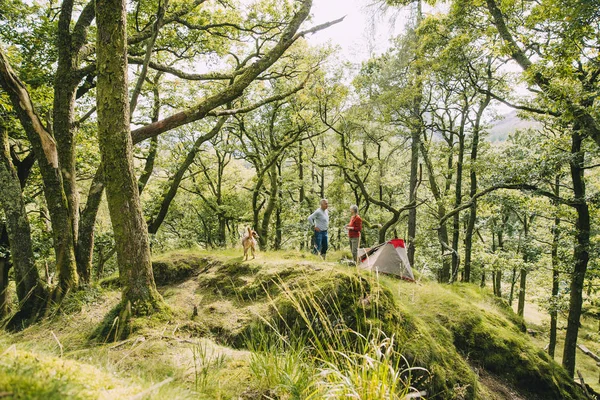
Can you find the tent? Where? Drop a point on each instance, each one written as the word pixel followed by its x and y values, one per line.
pixel 387 258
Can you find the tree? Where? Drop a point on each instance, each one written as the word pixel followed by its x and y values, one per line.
pixel 129 225
pixel 30 292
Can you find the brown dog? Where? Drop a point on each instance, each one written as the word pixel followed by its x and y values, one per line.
pixel 249 242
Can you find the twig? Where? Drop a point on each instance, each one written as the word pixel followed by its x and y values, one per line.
pixel 12 347
pixel 582 383
pixel 150 389
pixel 59 344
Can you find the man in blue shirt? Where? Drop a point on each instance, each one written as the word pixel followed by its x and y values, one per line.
pixel 319 220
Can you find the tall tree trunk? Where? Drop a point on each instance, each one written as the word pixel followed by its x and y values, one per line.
pixel 555 274
pixel 63 112
pixel 523 275
pixel 63 118
pixel 129 226
pixel 271 203
pixel 29 291
pixel 301 190
pixel 4 269
pixel 458 198
pixel 580 253
pixel 415 143
pixel 473 188
pixel 44 148
pixel 442 233
pixel 513 282
pixel 85 239
pixel 278 222
pixel 498 272
pixel 412 188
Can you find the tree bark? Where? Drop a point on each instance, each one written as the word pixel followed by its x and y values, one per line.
pixel 412 195
pixel 29 290
pixel 85 239
pixel 555 275
pixel 129 226
pixel 473 187
pixel 523 275
pixel 44 147
pixel 4 269
pixel 458 196
pixel 442 231
pixel 580 253
pixel 271 204
pixel 278 223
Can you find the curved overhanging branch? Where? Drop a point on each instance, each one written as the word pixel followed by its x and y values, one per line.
pixel 516 186
pixel 259 104
pixel 190 76
pixel 23 105
pixel 241 82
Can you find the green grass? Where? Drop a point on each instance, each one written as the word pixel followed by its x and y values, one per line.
pixel 286 325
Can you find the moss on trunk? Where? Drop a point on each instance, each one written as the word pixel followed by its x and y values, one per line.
pixel 129 226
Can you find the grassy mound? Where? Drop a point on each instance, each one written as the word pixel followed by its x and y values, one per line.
pixel 452 331
pixel 282 326
pixel 490 337
pixel 24 375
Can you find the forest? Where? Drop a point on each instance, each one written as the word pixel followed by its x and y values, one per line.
pixel 141 139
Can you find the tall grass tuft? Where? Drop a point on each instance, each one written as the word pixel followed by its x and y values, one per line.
pixel 329 342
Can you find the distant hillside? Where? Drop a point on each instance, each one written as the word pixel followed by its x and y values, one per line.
pixel 510 123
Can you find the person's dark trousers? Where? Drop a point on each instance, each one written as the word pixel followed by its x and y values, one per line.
pixel 321 243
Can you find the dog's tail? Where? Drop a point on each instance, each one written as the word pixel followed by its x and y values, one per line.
pixel 249 231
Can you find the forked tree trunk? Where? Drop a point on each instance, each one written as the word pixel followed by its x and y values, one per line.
pixel 129 225
pixel 29 291
pixel 44 147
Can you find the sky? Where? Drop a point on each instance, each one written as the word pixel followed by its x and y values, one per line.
pixel 364 30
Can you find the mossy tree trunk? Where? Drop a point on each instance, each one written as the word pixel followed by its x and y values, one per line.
pixel 555 275
pixel 29 291
pixel 44 146
pixel 581 252
pixel 4 269
pixel 278 223
pixel 85 239
pixel 129 226
pixel 263 229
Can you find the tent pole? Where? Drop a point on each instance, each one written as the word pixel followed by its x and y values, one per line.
pixel 357 247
